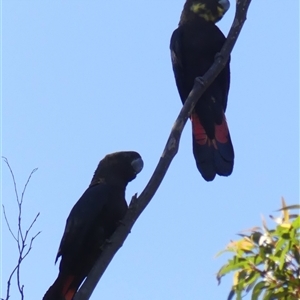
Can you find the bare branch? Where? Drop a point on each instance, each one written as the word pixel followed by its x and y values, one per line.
pixel 20 232
pixel 30 245
pixel 20 238
pixel 26 184
pixel 9 283
pixel 30 226
pixel 138 205
pixel 13 178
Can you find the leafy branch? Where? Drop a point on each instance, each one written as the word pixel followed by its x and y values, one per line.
pixel 267 261
pixel 138 204
pixel 21 237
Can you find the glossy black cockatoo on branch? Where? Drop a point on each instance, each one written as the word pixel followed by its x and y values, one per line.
pixel 92 221
pixel 194 45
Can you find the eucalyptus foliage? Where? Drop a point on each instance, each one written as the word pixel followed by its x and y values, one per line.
pixel 266 262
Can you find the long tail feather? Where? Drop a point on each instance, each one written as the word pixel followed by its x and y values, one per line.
pixel 213 156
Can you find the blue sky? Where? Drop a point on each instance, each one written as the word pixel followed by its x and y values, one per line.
pixel 81 79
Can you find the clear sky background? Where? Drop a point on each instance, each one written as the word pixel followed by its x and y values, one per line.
pixel 81 79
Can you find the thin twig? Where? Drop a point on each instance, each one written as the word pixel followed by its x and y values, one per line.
pixel 30 245
pixel 30 226
pixel 13 178
pixel 7 223
pixel 20 238
pixel 26 184
pixel 20 232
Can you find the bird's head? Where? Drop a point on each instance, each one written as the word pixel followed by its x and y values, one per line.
pixel 209 10
pixel 119 167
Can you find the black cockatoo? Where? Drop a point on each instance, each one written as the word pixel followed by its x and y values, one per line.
pixel 92 220
pixel 194 45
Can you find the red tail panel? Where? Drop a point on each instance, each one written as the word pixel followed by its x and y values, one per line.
pixel 222 132
pixel 67 291
pixel 62 289
pixel 198 130
pixel 213 156
pixel 70 294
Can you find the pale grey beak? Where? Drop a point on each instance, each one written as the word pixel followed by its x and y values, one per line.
pixel 225 4
pixel 137 165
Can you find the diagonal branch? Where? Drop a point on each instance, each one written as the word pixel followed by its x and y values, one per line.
pixel 137 205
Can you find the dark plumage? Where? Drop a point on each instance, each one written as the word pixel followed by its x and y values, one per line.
pixel 92 220
pixel 194 45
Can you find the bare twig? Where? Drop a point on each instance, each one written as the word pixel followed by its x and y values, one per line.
pixel 138 205
pixel 7 223
pixel 20 238
pixel 26 184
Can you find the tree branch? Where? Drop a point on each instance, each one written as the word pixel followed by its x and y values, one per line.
pixel 137 205
pixel 19 237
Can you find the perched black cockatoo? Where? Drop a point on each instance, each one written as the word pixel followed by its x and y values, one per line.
pixel 194 45
pixel 92 220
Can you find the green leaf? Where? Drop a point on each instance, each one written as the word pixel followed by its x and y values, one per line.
pixel 268 295
pixel 281 230
pixel 296 223
pixel 222 252
pixel 296 254
pixel 238 295
pixel 253 259
pixel 240 279
pixel 251 280
pixel 281 294
pixel 257 260
pixel 283 255
pixel 275 258
pixel 257 290
pixel 225 269
pixel 237 263
pixel 278 256
pixel 279 244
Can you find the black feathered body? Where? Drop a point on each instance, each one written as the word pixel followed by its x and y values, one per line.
pixel 194 45
pixel 92 221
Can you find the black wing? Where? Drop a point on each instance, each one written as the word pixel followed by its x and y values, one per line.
pixel 193 50
pixel 177 63
pixel 82 218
